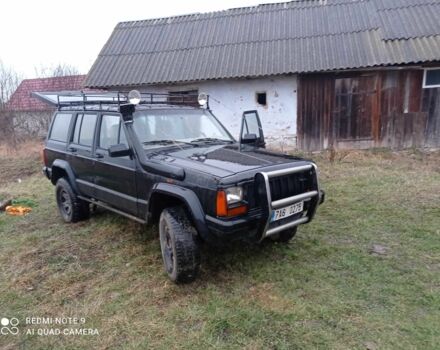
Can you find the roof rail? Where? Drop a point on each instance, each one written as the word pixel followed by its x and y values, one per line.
pixel 88 98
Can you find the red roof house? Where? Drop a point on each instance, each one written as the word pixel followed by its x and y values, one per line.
pixel 23 101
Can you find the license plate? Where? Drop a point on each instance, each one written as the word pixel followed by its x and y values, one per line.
pixel 287 211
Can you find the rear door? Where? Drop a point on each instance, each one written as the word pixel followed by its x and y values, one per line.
pixel 115 176
pixel 80 152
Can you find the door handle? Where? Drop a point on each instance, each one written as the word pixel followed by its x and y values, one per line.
pixel 72 149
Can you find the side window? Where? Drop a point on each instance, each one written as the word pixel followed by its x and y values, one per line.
pixel 77 128
pixel 60 127
pixel 87 129
pixel 109 134
pixel 112 132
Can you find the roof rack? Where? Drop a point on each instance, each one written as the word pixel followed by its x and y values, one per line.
pixel 83 99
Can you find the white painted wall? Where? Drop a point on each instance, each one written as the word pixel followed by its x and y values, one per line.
pixel 230 98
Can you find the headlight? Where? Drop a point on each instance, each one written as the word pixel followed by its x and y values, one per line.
pixel 234 195
pixel 230 203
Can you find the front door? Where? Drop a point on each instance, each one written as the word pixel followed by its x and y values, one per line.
pixel 115 176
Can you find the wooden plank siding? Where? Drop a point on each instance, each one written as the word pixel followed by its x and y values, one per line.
pixel 367 109
pixel 315 103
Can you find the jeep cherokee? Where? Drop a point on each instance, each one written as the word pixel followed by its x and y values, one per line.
pixel 157 158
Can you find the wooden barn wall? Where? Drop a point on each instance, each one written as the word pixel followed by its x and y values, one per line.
pixel 367 109
pixel 315 101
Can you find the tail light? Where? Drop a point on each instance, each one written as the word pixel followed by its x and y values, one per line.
pixel 43 156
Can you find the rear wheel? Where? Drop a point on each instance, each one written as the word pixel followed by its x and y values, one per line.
pixel 180 250
pixel 284 236
pixel 71 208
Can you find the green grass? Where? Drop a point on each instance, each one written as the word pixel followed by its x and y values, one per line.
pixel 327 289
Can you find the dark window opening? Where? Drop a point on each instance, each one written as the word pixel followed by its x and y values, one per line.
pixel 261 98
pixel 187 98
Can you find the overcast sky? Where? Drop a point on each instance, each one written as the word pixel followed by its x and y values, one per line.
pixel 43 33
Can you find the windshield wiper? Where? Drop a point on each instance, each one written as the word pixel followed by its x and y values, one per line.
pixel 165 142
pixel 158 142
pixel 210 139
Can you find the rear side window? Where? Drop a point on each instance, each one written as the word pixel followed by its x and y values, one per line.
pixel 84 129
pixel 60 127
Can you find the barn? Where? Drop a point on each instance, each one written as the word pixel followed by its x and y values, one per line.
pixel 321 73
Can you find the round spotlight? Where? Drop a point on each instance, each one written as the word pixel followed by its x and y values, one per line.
pixel 134 97
pixel 203 99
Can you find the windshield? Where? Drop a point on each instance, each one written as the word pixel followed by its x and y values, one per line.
pixel 159 127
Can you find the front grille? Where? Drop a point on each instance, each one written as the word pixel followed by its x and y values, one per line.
pixel 290 185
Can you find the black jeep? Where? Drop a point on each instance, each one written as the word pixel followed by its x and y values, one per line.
pixel 158 158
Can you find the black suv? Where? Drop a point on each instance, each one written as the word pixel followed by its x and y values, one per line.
pixel 159 158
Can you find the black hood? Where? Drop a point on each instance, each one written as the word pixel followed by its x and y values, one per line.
pixel 221 160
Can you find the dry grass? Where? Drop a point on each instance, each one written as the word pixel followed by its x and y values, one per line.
pixel 22 150
pixel 20 162
pixel 326 289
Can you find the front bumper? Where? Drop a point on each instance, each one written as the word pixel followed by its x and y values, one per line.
pixel 244 228
pixel 257 225
pixel 313 198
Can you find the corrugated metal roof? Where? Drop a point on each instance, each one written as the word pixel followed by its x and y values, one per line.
pixel 410 22
pixel 294 37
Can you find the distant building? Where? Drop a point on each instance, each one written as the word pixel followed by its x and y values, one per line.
pixel 330 73
pixel 30 116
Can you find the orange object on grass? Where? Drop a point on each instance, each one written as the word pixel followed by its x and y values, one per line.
pixel 17 210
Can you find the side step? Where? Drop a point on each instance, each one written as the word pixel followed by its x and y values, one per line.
pixel 117 211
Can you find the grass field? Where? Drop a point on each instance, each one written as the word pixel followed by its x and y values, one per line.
pixel 364 275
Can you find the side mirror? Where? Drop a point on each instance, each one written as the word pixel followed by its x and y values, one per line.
pixel 120 150
pixel 249 138
pixel 251 131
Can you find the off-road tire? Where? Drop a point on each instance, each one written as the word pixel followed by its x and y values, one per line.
pixel 71 208
pixel 178 242
pixel 284 236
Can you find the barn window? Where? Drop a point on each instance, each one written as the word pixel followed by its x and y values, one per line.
pixel 188 97
pixel 261 98
pixel 431 78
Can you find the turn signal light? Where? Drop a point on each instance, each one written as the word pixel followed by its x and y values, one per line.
pixel 224 210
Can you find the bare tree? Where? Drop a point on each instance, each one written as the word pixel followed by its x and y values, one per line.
pixel 17 126
pixel 9 81
pixel 59 70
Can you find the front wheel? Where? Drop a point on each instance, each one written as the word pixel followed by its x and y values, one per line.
pixel 180 250
pixel 284 236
